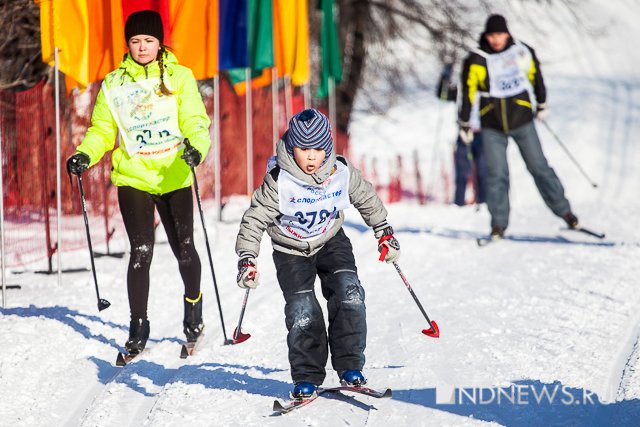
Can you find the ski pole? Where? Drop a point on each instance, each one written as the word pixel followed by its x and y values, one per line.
pixel 544 122
pixel 206 239
pixel 238 336
pixel 102 303
pixel 434 330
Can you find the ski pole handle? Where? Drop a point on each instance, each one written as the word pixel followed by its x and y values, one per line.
pixel 383 253
pixel 385 248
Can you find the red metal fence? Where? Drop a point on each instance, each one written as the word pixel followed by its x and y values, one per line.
pixel 27 126
pixel 27 130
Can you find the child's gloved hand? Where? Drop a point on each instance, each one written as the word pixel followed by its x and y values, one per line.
pixel 388 246
pixel 248 276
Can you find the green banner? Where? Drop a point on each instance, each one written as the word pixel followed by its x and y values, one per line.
pixel 260 40
pixel 330 46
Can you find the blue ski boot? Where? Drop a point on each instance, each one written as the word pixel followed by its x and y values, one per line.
pixel 352 378
pixel 304 391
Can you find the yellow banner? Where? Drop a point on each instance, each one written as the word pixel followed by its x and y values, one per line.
pixel 89 35
pixel 291 39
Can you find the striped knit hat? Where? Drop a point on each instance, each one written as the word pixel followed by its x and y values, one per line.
pixel 309 129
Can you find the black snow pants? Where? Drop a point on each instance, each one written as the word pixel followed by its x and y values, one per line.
pixel 176 213
pixel 307 338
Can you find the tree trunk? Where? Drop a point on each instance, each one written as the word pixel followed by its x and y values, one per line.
pixel 354 18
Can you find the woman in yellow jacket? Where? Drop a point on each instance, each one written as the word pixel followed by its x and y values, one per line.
pixel 154 104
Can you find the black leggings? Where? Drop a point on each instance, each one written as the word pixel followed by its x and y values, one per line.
pixel 176 213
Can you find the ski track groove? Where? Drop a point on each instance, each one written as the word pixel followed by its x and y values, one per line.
pixel 100 394
pixel 80 410
pixel 622 112
pixel 143 405
pixel 629 367
pixel 147 405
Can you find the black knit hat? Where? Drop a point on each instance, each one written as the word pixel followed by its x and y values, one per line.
pixel 146 22
pixel 496 24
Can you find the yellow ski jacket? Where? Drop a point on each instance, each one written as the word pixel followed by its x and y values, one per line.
pixel 157 175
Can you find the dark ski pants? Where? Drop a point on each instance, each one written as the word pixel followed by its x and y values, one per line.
pixel 466 159
pixel 176 213
pixel 495 150
pixel 307 338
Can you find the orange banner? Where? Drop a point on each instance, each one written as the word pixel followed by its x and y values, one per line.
pixel 194 35
pixel 88 35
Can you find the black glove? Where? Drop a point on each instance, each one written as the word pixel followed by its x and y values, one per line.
pixel 78 163
pixel 191 156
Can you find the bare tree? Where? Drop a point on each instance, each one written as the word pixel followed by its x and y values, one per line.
pixel 21 65
pixel 390 40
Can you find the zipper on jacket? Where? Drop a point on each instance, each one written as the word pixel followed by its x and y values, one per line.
pixel 503 113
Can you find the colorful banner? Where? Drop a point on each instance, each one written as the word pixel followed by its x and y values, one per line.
pixel 194 33
pixel 88 34
pixel 291 33
pixel 330 47
pixel 233 35
pixel 206 36
pixel 260 44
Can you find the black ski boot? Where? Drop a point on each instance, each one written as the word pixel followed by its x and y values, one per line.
pixel 138 336
pixel 193 324
pixel 497 232
pixel 571 220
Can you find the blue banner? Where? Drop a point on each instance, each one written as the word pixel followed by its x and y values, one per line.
pixel 233 47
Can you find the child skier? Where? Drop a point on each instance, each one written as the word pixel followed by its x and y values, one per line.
pixel 300 205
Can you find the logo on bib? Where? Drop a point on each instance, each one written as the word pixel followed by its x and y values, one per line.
pixel 140 100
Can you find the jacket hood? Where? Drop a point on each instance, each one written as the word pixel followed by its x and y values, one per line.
pixel 288 163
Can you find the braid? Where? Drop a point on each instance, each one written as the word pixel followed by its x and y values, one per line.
pixel 163 88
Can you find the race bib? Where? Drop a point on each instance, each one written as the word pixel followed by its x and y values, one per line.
pixel 308 211
pixel 147 120
pixel 508 71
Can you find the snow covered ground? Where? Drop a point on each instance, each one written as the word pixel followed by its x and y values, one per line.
pixel 546 311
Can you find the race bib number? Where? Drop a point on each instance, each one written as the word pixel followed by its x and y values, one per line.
pixel 508 71
pixel 147 120
pixel 309 211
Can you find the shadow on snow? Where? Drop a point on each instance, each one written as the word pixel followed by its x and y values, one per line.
pixel 473 235
pixel 71 318
pixel 568 406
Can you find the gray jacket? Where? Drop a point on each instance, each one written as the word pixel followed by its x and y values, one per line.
pixel 264 208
